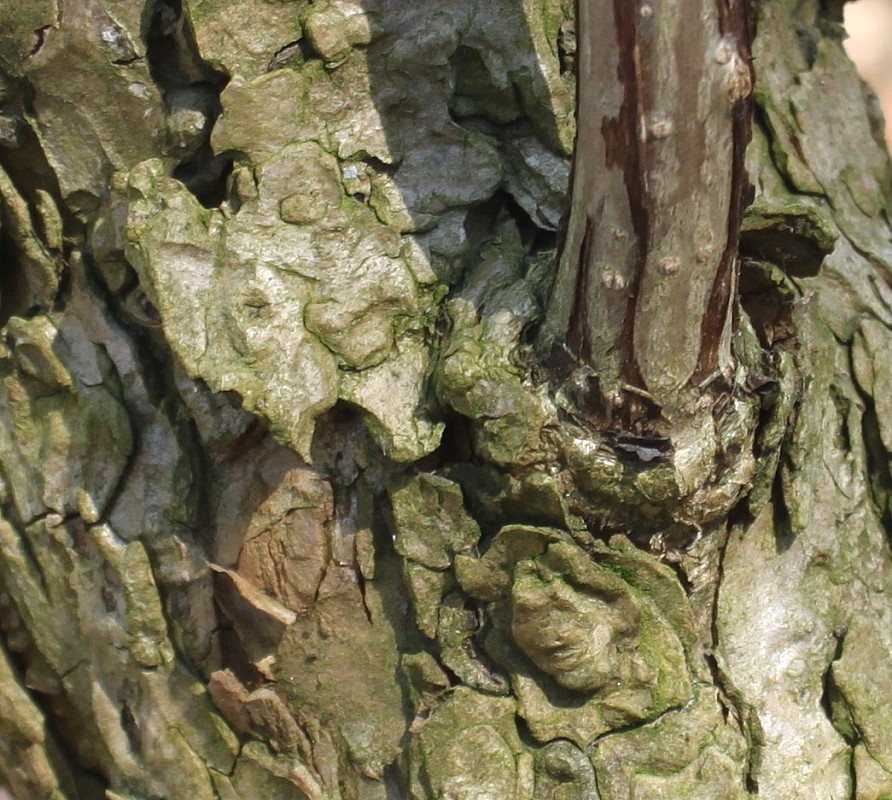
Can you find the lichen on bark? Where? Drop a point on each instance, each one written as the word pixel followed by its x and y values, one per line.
pixel 293 507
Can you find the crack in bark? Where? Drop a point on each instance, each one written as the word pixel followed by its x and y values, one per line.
pixel 190 86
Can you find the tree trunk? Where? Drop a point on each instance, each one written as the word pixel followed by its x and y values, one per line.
pixel 332 469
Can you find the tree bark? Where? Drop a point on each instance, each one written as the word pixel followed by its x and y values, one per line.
pixel 644 293
pixel 342 458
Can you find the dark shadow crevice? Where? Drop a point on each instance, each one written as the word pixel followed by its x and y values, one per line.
pixel 191 89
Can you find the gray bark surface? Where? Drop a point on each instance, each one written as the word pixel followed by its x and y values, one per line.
pixel 326 477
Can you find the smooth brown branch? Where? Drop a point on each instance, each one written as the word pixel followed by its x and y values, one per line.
pixel 647 271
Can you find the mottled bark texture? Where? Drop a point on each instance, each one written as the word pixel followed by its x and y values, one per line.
pixel 324 478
